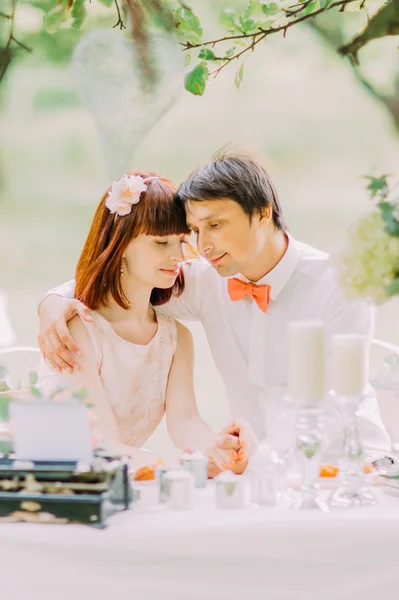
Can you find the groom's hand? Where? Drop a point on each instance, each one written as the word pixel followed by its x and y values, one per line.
pixel 244 445
pixel 55 341
pixel 222 454
pixel 248 442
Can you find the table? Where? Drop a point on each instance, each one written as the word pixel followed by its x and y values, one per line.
pixel 208 554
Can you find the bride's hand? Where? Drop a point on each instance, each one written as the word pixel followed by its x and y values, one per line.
pixel 223 452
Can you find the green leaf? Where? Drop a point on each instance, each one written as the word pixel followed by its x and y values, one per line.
pixel 310 7
pixel 206 54
pixel 4 387
pixel 78 13
pixel 270 9
pixel 107 3
pixel 253 7
pixel 248 25
pixel 230 52
pixel 3 371
pixel 56 48
pixel 325 3
pixel 56 17
pixel 33 377
pixel 193 38
pixel 35 392
pixel 195 80
pixel 239 75
pixel 393 288
pixel 5 402
pixel 229 19
pixel 187 22
pixel 187 59
pixel 388 212
pixel 378 185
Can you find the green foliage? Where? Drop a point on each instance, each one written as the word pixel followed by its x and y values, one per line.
pixel 33 377
pixel 195 80
pixel 78 13
pixel 55 17
pixel 55 99
pixel 270 9
pixel 393 288
pixel 378 186
pixel 229 20
pixel 380 190
pixel 249 23
pixel 35 392
pixel 188 25
pixel 239 76
pixel 5 402
pixel 206 54
pixel 389 213
pixel 310 7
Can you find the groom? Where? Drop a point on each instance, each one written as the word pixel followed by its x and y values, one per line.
pixel 253 279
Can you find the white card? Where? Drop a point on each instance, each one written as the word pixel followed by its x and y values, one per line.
pixel 53 431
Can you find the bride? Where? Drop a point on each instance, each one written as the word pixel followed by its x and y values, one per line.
pixel 136 363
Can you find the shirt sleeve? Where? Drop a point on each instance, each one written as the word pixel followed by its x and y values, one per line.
pixel 67 290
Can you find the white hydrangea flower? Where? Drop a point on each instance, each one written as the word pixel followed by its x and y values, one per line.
pixel 371 260
pixel 124 193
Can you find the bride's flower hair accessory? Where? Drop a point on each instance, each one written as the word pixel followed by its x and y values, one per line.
pixel 125 192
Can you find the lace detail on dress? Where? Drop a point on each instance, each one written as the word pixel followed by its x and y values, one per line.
pixel 134 377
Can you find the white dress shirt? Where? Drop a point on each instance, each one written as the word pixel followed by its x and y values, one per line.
pixel 249 347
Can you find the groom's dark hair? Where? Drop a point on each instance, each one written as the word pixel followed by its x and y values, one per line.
pixel 236 177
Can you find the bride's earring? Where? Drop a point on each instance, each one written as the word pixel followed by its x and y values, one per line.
pixel 122 270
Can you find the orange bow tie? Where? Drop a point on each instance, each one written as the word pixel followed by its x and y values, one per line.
pixel 238 289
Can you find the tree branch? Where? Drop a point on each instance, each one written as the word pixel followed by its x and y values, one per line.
pixel 119 22
pixel 385 22
pixel 238 55
pixel 5 53
pixel 391 102
pixel 20 44
pixel 262 34
pixel 270 30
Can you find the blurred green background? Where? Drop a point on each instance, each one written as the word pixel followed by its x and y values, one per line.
pixel 299 109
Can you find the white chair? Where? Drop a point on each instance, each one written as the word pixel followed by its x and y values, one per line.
pixel 7 333
pixel 384 377
pixel 18 367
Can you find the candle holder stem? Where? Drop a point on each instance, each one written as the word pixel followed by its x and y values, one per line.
pixel 352 492
pixel 310 434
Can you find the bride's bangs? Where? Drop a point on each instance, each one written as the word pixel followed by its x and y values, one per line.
pixel 161 215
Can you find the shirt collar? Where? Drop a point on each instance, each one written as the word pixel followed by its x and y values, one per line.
pixel 278 277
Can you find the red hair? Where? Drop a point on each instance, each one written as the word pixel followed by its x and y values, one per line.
pixel 98 272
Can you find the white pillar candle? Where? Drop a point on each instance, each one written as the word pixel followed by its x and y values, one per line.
pixel 349 364
pixel 306 361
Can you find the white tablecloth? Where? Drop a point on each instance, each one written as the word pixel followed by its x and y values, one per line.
pixel 207 554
